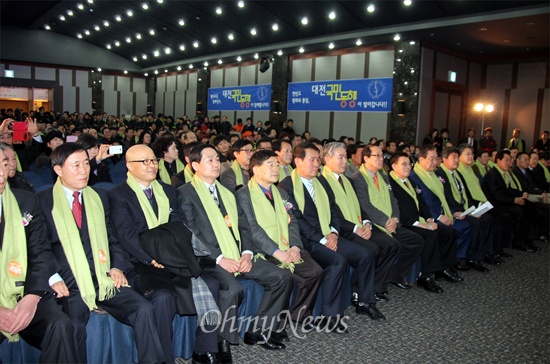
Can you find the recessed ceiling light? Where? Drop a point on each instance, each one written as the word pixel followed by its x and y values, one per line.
pixel 280 53
pixel 152 31
pixel 97 28
pixel 400 51
pixel 106 23
pixel 331 46
pixel 144 56
pixel 206 64
pixel 398 59
pixel 397 37
pixel 239 59
pixel 146 74
pixel 179 68
pixel 218 11
pixel 135 59
pixel 230 36
pixel 118 18
pixel 240 4
pixel 407 2
pixel 256 56
pixel 253 31
pixel 128 40
pixel 165 71
pixel 160 1
pixel 129 13
pixel 138 36
pixel 156 72
pixel 371 8
pixel 412 42
pixel 90 1
pixel 220 61
pixel 181 22
pixel 359 42
pixel 301 50
pixel 87 32
pixel 108 46
pixel 275 27
pixel 182 47
pixel 167 50
pixel 99 70
pixel 145 6
pixel 190 66
pixel 117 43
pixel 332 15
pixel 304 20
pixel 196 44
pixel 80 6
pixel 214 40
pixel 79 36
pixel 70 13
pixel 47 27
pixel 61 17
pixel 156 53
pixel 125 72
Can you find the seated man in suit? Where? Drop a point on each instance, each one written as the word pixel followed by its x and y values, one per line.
pixel 283 149
pixel 238 175
pixel 87 261
pixel 481 244
pixel 481 165
pixel 131 214
pixel 354 226
pixel 275 234
pixel 439 253
pixel 433 194
pixel 213 216
pixel 320 231
pixel 536 172
pixel 27 307
pixel 186 175
pixel 378 203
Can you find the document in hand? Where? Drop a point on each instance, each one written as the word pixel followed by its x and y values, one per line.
pixel 468 212
pixel 482 208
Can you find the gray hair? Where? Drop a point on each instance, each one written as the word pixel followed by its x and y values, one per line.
pixel 329 148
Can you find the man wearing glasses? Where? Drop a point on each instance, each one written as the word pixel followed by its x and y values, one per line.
pixel 238 176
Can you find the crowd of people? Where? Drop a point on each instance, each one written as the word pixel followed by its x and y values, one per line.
pixel 188 208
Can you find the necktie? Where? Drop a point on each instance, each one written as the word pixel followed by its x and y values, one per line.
pixel 213 193
pixel 269 195
pixel 77 209
pixel 286 170
pixel 405 183
pixel 459 185
pixel 341 183
pixel 311 190
pixel 471 142
pixel 148 193
pixel 375 178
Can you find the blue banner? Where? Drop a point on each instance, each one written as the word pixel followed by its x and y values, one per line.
pixel 235 98
pixel 363 95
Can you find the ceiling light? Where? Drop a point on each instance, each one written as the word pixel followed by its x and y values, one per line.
pixel 47 27
pixel 182 47
pixel 256 56
pixel 146 74
pixel 125 72
pixel 280 53
pixel 301 50
pixel 179 68
pixel 99 70
pixel 97 28
pixel 70 13
pixel 275 27
pixel 220 61
pixel 370 8
pixel 129 13
pixel 138 36
pixel 400 51
pixel 106 23
pixel 407 2
pixel 152 31
pixel 135 59
pixel 144 56
pixel 230 36
pixel 332 15
pixel 128 40
pixel 239 59
pixel 240 4
pixel 80 6
pixel 196 44
pixel 156 72
pixel 117 43
pixel 167 50
pixel 253 31
pixel 331 46
pixel 156 53
pixel 214 40
pixel 412 42
pixel 397 37
pixel 90 1
pixel 108 46
pixel 79 36
pixel 160 1
pixel 218 11
pixel 181 22
pixel 190 66
pixel 87 32
pixel 118 18
pixel 206 64
pixel 165 71
pixel 358 42
pixel 61 17
pixel 304 20
pixel 145 6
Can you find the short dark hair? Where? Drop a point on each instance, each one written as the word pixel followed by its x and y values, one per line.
pixel 480 153
pixel 423 150
pixel 219 138
pixel 88 141
pixel 352 149
pixel 263 140
pixel 500 154
pixel 462 147
pixel 53 134
pixel 276 145
pixel 238 145
pixel 195 155
pixel 188 147
pixel 300 149
pixel 446 152
pixel 521 153
pixel 258 158
pixel 161 145
pixel 395 157
pixel 367 152
pixel 315 141
pixel 64 151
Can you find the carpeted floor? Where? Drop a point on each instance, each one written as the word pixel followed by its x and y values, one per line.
pixel 497 317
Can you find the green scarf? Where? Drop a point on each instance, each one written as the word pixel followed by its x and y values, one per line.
pixel 13 255
pixel 490 164
pixel 321 200
pixel 188 173
pixel 546 172
pixel 454 188
pixel 236 167
pixel 163 172
pixel 472 181
pixel 19 168
pixel 379 197
pixel 282 173
pixel 277 230
pixel 509 179
pixel 410 190
pixel 346 200
pixel 434 184
pixel 481 168
pixel 221 224
pixel 160 197
pixel 69 236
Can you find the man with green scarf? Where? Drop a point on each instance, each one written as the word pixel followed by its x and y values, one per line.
pixel 87 259
pixel 27 307
pixel 379 205
pixel 213 216
pixel 186 175
pixel 481 166
pixel 283 149
pixel 481 244
pixel 275 233
pixel 238 175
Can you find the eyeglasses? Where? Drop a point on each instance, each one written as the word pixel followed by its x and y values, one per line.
pixel 248 151
pixel 147 161
pixel 377 155
pixel 405 164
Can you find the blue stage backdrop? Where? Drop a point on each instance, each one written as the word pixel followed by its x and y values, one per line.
pixel 362 95
pixel 235 98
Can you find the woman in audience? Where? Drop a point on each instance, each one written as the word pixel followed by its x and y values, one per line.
pixel 145 138
pixel 99 171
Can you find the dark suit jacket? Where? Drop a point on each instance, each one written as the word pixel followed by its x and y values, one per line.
pixel 537 175
pixel 407 207
pixel 465 141
pixel 38 249
pixel 454 205
pixel 495 189
pixel 308 221
pixel 527 183
pixel 59 263
pixel 229 181
pixel 263 242
pixel 429 198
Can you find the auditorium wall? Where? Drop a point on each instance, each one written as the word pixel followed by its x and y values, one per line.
pixel 176 94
